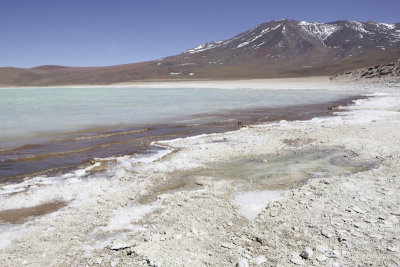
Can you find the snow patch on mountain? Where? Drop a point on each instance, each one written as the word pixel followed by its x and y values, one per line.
pixel 358 26
pixel 259 35
pixel 387 26
pixel 320 31
pixel 202 47
pixel 263 32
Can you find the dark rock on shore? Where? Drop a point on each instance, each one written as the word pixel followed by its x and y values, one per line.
pixel 388 72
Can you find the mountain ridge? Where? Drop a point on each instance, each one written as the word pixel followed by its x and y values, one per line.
pixel 280 48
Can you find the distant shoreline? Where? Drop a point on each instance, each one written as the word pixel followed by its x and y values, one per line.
pixel 311 82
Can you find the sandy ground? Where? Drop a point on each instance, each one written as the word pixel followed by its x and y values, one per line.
pixel 156 212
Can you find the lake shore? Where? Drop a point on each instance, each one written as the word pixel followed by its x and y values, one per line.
pixel 66 152
pixel 333 220
pixel 312 82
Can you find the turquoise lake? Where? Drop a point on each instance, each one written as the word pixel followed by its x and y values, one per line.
pixel 26 112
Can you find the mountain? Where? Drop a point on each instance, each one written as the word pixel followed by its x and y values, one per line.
pixel 284 48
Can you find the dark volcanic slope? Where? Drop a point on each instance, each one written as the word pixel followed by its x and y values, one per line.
pixel 387 72
pixel 284 48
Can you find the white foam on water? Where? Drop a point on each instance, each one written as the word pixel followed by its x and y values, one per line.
pixel 251 203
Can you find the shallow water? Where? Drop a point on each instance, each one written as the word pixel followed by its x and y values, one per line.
pixel 272 174
pixel 278 173
pixel 29 112
pixel 48 131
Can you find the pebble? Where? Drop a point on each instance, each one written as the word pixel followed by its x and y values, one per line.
pixel 120 245
pixel 306 253
pixel 334 254
pixel 177 236
pixel 358 210
pixel 194 231
pixel 322 258
pixel 114 262
pixel 393 249
pixel 243 263
pixel 259 260
pixel 261 240
pixel 322 248
pixel 296 259
pixel 228 245
pixel 326 234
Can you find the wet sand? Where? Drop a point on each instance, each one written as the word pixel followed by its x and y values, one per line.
pixel 22 215
pixel 69 151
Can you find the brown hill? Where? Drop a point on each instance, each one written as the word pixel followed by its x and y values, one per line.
pixel 284 48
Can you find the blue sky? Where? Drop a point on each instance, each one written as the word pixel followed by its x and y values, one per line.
pixel 108 32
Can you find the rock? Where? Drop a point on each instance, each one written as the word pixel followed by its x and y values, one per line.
pixel 247 256
pixel 296 259
pixel 394 249
pixel 322 248
pixel 114 262
pixel 389 71
pixel 261 240
pixel 259 260
pixel 143 192
pixel 194 231
pixel 326 233
pixel 322 258
pixel 177 236
pixel 342 238
pixel 358 210
pixel 334 254
pixel 228 245
pixel 243 263
pixel 118 245
pixel 306 253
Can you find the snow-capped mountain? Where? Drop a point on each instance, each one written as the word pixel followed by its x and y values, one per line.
pixel 288 47
pixel 325 34
pixel 284 48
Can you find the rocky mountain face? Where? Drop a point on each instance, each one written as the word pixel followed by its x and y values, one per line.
pixel 387 72
pixel 299 48
pixel 284 48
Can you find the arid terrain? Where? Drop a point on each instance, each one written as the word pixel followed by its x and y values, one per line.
pixel 314 192
pixel 283 48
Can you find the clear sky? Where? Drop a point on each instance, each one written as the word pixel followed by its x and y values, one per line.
pixel 108 32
